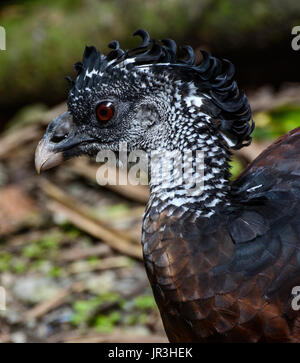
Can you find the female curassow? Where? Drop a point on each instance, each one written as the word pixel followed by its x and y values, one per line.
pixel 223 261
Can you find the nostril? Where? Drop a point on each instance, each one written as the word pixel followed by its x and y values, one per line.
pixel 58 137
pixel 60 128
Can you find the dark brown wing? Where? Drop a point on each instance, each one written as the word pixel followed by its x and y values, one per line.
pixel 266 231
pixel 230 277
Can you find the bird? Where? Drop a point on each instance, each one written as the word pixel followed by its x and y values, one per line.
pixel 223 259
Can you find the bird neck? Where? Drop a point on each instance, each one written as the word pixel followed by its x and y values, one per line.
pixel 193 171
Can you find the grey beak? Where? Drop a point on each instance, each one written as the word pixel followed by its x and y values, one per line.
pixel 46 159
pixel 58 137
pixel 61 142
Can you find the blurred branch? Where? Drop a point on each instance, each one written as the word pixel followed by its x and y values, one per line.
pixel 79 214
pixel 19 135
pixel 265 98
pixel 12 140
pixel 45 306
pixel 76 253
pixel 116 337
pixel 108 263
pixel 137 193
pixel 248 154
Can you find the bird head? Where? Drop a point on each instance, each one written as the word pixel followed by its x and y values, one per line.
pixel 150 98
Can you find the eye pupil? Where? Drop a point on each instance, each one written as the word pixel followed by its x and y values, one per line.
pixel 105 111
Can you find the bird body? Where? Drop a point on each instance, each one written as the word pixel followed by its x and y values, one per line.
pixel 222 259
pixel 229 278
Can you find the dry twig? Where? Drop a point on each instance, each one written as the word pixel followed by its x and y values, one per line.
pixel 79 214
pixel 136 193
pixel 105 264
pixel 77 253
pixel 45 306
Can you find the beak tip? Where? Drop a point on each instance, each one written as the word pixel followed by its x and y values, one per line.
pixel 39 156
pixel 45 158
pixel 38 170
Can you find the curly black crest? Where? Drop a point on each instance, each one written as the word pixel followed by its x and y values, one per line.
pixel 212 76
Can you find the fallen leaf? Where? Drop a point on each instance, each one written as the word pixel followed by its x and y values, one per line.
pixel 16 209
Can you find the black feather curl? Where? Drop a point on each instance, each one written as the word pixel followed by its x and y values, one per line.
pixel 70 81
pixel 212 76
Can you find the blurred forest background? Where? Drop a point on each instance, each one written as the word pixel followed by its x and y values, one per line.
pixel 70 255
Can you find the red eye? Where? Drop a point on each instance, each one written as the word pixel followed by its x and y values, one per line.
pixel 105 111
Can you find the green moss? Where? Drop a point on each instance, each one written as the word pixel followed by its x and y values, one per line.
pixel 37 265
pixel 84 308
pixel 46 247
pixel 236 167
pixel 145 302
pixel 55 272
pixel 142 319
pixel 94 261
pixel 33 251
pixel 5 261
pixel 18 266
pixel 69 230
pixel 130 319
pixel 286 118
pixel 273 124
pixel 115 210
pixel 106 323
